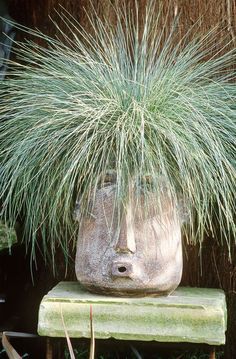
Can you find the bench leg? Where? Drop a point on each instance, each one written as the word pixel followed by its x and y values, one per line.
pixel 212 354
pixel 49 349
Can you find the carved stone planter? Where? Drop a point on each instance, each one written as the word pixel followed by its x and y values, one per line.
pixel 140 256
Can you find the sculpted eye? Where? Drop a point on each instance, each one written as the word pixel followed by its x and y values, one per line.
pixel 147 183
pixel 108 179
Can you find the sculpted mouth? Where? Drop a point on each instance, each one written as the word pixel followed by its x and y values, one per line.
pixel 122 269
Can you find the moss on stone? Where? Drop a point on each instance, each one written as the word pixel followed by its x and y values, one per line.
pixel 194 315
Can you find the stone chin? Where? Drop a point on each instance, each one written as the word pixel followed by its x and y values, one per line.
pixel 134 287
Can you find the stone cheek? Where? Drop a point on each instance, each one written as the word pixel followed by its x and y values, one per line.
pixel 142 255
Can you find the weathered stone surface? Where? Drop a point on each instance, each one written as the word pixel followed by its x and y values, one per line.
pixel 133 249
pixel 187 315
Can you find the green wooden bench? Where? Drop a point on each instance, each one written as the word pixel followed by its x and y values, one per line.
pixel 189 315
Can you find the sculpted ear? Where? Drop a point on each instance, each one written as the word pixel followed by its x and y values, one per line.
pixel 183 211
pixel 76 212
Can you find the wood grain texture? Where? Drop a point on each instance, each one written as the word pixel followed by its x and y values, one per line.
pixel 209 14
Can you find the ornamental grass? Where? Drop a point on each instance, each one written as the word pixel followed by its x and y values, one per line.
pixel 128 98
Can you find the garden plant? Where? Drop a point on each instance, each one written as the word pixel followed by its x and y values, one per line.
pixel 128 98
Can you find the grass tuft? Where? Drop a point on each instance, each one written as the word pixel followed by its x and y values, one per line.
pixel 129 98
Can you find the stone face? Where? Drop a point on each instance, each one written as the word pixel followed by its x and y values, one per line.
pixel 192 315
pixel 134 250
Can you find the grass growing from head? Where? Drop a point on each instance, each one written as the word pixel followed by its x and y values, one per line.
pixel 128 98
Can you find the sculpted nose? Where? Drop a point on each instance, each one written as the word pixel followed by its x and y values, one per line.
pixel 126 239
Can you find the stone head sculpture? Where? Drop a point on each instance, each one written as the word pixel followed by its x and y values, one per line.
pixel 135 252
